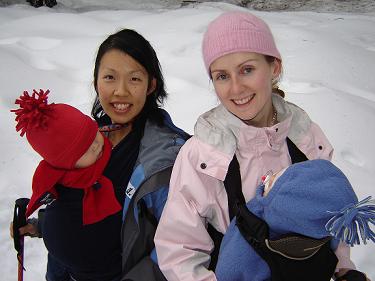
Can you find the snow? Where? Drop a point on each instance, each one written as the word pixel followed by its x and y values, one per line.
pixel 328 58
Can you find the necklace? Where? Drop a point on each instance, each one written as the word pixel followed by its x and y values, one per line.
pixel 113 127
pixel 110 128
pixel 274 117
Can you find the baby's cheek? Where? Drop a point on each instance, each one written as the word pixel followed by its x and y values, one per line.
pixel 268 185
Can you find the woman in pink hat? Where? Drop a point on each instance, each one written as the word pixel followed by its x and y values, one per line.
pixel 254 123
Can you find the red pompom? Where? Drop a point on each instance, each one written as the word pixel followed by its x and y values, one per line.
pixel 34 111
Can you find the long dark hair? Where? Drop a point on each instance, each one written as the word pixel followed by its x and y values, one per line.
pixel 136 46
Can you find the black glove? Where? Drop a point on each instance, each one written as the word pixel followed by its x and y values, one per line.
pixel 353 275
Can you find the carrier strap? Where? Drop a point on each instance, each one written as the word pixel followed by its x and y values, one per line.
pixel 232 181
pixel 233 187
pixel 290 257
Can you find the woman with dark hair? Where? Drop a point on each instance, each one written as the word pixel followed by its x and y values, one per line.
pixel 130 91
pixel 130 43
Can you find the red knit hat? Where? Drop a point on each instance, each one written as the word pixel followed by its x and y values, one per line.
pixel 60 133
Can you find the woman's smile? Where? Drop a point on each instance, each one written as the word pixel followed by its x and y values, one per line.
pixel 122 86
pixel 243 83
pixel 243 101
pixel 121 107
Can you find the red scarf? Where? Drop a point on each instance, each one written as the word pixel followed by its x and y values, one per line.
pixel 99 200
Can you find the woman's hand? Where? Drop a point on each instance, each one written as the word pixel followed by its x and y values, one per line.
pixel 28 230
pixel 345 274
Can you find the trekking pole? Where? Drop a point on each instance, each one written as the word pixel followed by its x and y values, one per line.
pixel 19 220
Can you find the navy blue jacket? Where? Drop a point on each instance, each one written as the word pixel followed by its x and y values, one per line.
pixel 122 244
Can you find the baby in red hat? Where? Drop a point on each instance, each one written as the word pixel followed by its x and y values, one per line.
pixel 74 154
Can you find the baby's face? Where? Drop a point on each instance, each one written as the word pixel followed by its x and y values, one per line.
pixel 271 180
pixel 94 152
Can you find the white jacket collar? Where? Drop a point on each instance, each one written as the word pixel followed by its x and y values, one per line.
pixel 223 130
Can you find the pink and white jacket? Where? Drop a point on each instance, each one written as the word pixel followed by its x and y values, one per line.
pixel 197 195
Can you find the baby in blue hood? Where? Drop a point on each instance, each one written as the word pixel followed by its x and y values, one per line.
pixel 312 198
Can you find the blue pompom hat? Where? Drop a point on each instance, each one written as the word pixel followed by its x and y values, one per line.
pixel 313 198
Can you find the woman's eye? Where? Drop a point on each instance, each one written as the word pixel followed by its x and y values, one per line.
pixel 221 77
pixel 134 79
pixel 108 77
pixel 247 70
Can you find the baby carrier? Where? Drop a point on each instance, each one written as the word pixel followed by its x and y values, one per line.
pixel 292 257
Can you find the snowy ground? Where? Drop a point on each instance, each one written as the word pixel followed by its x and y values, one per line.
pixel 347 6
pixel 328 58
pixel 332 6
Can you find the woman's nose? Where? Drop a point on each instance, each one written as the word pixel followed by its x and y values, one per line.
pixel 122 88
pixel 236 86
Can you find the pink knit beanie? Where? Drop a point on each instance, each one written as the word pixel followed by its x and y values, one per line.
pixel 233 32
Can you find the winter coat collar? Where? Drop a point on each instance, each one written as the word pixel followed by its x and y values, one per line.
pixel 225 132
pixel 160 145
